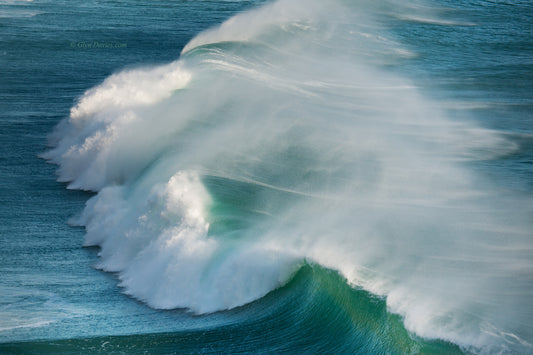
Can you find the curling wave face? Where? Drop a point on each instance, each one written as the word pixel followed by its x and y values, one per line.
pixel 283 136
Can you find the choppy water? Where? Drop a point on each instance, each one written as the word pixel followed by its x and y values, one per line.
pixel 287 176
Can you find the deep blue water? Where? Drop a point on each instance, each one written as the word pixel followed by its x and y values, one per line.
pixel 368 167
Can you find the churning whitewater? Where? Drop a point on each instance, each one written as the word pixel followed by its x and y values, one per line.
pixel 285 136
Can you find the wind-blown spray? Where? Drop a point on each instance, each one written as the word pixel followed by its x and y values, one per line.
pixel 282 136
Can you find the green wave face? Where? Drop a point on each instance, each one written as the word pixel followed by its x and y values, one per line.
pixel 316 312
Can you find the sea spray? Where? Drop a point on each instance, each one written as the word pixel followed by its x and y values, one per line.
pixel 282 136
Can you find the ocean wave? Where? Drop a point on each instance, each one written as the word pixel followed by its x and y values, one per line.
pixel 281 136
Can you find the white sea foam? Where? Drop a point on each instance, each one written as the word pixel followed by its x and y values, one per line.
pixel 349 166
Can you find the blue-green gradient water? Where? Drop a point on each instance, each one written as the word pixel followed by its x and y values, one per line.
pixel 266 177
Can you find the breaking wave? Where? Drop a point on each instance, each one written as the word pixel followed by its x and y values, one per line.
pixel 285 137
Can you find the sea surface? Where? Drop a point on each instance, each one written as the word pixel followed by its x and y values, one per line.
pixel 289 176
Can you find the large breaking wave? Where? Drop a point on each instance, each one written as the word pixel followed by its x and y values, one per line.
pixel 284 136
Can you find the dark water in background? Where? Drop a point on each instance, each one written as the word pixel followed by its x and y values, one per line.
pixel 473 60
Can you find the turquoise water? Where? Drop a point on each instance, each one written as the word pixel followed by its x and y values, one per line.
pixel 304 178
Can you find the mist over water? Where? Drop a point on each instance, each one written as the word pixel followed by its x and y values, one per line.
pixel 285 136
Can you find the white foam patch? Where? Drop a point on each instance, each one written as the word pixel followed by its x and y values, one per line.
pixel 90 143
pixel 161 250
pixel 131 88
